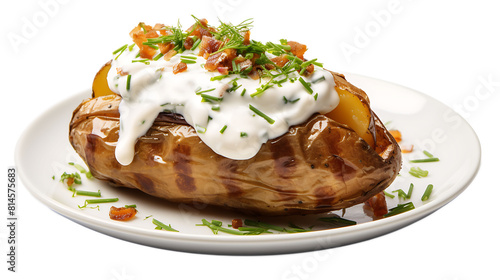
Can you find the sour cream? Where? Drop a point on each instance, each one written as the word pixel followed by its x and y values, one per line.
pixel 223 112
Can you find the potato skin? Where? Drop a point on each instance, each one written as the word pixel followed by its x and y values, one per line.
pixel 316 167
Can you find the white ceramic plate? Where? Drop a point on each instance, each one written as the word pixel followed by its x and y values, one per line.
pixel 43 151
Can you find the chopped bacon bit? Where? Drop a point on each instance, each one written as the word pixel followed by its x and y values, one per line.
pixel 223 70
pixel 280 61
pixel 406 149
pixel 169 55
pixel 122 213
pixel 309 70
pixel 254 74
pixel 208 45
pixel 70 181
pixel 376 206
pixel 246 38
pixel 200 30
pixel 120 72
pixel 139 37
pixel 220 59
pixel 188 43
pixel 165 47
pixel 245 64
pixel 180 67
pixel 236 223
pixel 297 49
pixel 161 28
pixel 397 135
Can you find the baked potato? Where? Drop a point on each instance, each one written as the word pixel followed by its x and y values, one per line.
pixel 331 161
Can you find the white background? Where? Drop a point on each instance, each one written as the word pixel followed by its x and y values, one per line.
pixel 52 50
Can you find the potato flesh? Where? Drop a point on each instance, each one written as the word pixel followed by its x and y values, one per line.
pixel 100 85
pixel 354 113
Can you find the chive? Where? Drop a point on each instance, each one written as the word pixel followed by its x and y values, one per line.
pixel 188 57
pixel 210 97
pixel 145 61
pixel 401 208
pixel 97 201
pixel 306 85
pixel 432 159
pixel 427 192
pixel 216 108
pixel 128 82
pixel 428 154
pixel 243 134
pixel 87 193
pixel 196 43
pixel 187 61
pixel 338 221
pixel 256 111
pixel 243 92
pixel 215 228
pixel 200 129
pixel 263 225
pixel 103 200
pixel 223 129
pixel 75 176
pixel 199 91
pixel 320 79
pixel 218 78
pixel 131 47
pixel 82 170
pixel 402 194
pixel 120 49
pixel 131 206
pixel 418 172
pixel 158 56
pixel 163 226
pixel 255 230
pixel 316 97
pixel 388 194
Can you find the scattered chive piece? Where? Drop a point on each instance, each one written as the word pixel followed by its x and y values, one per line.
pixel 131 47
pixel 400 209
pixel 128 82
pixel 428 154
pixel 322 78
pixel 256 111
pixel 120 49
pixel 87 193
pixel 402 194
pixel 82 170
pixel 337 221
pixel 243 134
pixel 418 172
pixel 196 43
pixel 97 201
pixel 145 61
pixel 198 92
pixel 75 176
pixel 263 225
pixel 200 129
pixel 215 228
pixel 163 226
pixel 223 129
pixel 158 56
pixel 427 192
pixel 306 85
pixel 432 159
pixel 131 206
pixel 316 97
pixel 210 97
pixel 243 92
pixel 389 195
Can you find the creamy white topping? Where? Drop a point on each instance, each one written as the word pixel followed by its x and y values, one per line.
pixel 232 123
